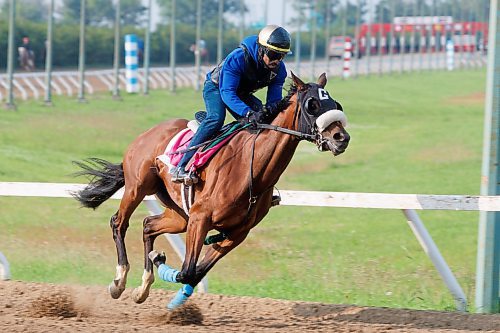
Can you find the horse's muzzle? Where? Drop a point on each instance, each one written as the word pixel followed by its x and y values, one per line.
pixel 337 144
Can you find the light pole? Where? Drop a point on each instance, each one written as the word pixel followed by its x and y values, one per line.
pixel 197 50
pixel 147 41
pixel 219 31
pixel 48 58
pixel 173 85
pixel 116 60
pixel 81 53
pixel 10 56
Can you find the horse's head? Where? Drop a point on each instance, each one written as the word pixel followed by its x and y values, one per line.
pixel 321 116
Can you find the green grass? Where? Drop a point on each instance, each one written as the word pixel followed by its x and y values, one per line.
pixel 419 133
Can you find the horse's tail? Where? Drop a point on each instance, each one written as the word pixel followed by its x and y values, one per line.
pixel 105 179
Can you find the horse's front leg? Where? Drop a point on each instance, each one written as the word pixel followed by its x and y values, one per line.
pixel 217 251
pixel 171 222
pixel 197 229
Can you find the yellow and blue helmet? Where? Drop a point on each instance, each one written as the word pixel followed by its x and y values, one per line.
pixel 275 38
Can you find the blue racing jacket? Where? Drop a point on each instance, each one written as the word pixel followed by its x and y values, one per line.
pixel 242 73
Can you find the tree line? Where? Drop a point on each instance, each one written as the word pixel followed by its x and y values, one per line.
pixel 31 20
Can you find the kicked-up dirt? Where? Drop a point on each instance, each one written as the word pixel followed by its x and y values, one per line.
pixel 37 307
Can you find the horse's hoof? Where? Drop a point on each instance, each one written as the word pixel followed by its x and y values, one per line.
pixel 114 291
pixel 138 296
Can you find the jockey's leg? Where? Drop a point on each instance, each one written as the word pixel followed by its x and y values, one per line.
pixel 216 113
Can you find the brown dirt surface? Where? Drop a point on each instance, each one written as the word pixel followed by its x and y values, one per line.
pixel 472 99
pixel 38 307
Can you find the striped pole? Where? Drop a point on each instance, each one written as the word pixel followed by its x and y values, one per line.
pixel 131 63
pixel 347 58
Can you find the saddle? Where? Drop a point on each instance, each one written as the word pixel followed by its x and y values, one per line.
pixel 179 144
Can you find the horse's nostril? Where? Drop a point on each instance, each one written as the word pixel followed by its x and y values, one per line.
pixel 338 137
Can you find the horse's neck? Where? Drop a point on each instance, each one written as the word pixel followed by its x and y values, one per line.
pixel 275 149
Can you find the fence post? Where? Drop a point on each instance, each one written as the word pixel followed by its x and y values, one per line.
pixel 488 254
pixel 437 259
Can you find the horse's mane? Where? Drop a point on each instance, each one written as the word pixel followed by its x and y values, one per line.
pixel 285 101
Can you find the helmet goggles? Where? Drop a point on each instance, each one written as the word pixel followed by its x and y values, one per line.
pixel 273 55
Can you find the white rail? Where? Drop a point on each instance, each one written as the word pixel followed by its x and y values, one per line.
pixel 408 203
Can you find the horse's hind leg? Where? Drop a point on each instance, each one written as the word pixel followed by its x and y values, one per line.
pixel 171 221
pixel 119 224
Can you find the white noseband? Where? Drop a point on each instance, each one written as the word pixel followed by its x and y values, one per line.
pixel 329 117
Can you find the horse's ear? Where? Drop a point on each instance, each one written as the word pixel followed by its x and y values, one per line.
pixel 322 80
pixel 298 82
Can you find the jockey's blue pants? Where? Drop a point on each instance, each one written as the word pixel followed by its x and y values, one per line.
pixel 216 114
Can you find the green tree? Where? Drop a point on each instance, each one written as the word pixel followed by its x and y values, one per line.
pixel 186 11
pixel 29 10
pixel 102 12
pixel 98 12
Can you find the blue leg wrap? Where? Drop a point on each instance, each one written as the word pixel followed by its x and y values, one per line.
pixel 167 273
pixel 181 297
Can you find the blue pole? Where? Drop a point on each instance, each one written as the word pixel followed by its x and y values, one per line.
pixel 488 258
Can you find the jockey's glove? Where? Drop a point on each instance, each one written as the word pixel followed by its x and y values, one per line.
pixel 255 117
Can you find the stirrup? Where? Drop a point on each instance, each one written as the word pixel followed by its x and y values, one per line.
pixel 275 201
pixel 190 179
pixel 178 175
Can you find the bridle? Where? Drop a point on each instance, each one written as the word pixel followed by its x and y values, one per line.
pixel 308 130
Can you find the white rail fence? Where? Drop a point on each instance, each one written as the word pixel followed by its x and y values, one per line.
pixel 408 203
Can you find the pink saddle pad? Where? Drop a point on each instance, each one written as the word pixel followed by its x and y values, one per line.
pixel 181 142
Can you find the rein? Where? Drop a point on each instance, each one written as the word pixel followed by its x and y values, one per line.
pixel 300 135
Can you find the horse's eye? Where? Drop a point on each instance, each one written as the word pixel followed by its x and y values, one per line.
pixel 312 106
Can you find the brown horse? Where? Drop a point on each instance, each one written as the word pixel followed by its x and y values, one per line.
pixel 234 191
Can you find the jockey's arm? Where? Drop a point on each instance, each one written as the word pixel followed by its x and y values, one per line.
pixel 228 83
pixel 275 91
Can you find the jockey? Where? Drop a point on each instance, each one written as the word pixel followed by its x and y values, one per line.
pixel 255 64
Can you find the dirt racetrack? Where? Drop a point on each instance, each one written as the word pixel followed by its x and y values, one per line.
pixel 36 307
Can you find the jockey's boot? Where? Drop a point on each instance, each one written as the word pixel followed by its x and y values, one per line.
pixel 179 174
